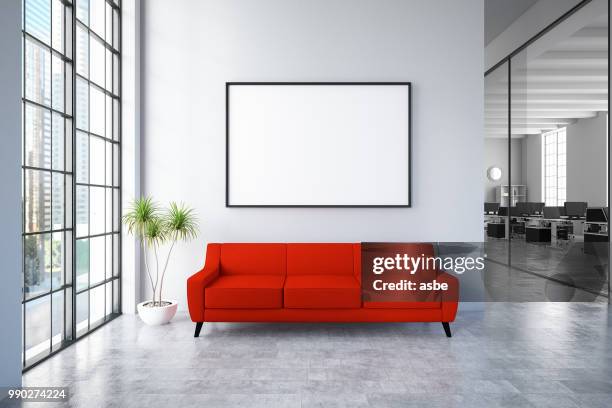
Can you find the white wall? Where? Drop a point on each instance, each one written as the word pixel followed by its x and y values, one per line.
pixel 587 164
pixel 496 154
pixel 10 205
pixel 191 48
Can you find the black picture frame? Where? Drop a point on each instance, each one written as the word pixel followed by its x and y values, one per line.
pixel 228 204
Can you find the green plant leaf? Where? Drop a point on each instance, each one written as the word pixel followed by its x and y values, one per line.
pixel 180 222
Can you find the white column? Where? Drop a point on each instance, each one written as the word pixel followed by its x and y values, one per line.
pixel 10 204
pixel 130 160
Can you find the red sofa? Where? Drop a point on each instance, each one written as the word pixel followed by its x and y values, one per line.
pixel 301 283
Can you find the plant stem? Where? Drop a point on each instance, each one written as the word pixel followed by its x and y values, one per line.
pixel 156 271
pixel 161 283
pixel 144 250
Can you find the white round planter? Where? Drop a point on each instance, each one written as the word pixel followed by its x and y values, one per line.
pixel 155 316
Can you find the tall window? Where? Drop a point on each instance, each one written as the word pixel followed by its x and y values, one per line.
pixel 554 166
pixel 71 151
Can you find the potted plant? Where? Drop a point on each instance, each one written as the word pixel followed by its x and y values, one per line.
pixel 155 228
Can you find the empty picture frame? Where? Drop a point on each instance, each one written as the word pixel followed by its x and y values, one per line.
pixel 318 144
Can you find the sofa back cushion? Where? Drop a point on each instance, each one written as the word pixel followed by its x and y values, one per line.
pixel 320 259
pixel 253 259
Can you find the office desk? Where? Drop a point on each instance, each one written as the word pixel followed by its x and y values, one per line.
pixel 539 221
pixel 538 234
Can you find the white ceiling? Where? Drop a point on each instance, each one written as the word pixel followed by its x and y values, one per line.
pixel 558 79
pixel 499 14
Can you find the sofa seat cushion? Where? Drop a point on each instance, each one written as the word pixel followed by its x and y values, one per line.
pixel 245 292
pixel 322 292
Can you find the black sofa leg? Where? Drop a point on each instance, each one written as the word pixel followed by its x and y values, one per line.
pixel 447 329
pixel 198 328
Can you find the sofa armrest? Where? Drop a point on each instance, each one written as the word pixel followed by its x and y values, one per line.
pixel 197 283
pixel 450 297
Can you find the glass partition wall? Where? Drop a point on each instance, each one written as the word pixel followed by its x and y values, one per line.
pixel 553 193
pixel 71 172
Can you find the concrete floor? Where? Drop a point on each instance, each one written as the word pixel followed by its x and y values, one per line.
pixel 510 355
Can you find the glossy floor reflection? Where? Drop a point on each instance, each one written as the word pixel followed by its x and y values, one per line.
pixel 510 355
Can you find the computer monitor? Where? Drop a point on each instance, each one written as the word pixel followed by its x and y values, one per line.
pixel 537 208
pixel 503 211
pixel 596 214
pixel 575 209
pixel 522 209
pixel 562 211
pixel 491 208
pixel 552 213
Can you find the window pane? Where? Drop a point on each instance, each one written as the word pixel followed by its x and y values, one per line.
pixel 37 136
pixel 108 62
pixel 58 30
pixel 37 327
pixel 57 319
pixel 82 211
pixel 97 64
pixel 57 201
pixel 57 83
pixel 57 260
pixel 108 271
pixel 97 16
pixel 37 73
pixel 82 313
pixel 96 111
pixel 82 264
pixel 97 259
pixel 82 10
pixel 97 305
pixel 96 157
pixel 37 264
pixel 96 208
pixel 82 104
pixel 38 19
pixel 57 142
pixel 82 51
pixel 82 157
pixel 37 200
